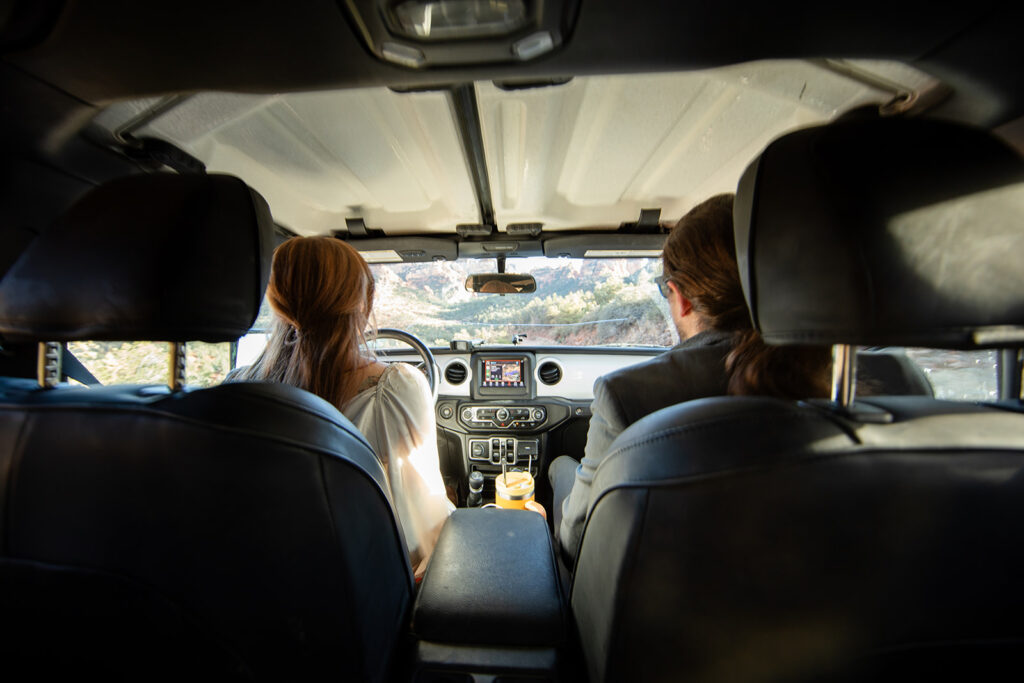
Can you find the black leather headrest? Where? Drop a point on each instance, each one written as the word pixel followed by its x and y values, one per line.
pixel 148 257
pixel 884 232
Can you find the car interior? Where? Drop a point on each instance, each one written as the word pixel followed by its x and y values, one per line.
pixel 497 163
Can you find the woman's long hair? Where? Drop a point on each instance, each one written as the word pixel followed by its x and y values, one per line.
pixel 321 293
pixel 700 257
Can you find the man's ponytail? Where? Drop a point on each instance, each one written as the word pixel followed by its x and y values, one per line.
pixel 794 372
pixel 700 257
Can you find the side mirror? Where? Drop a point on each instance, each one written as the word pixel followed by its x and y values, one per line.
pixel 501 283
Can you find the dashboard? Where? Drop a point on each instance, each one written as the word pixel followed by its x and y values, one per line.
pixel 570 371
pixel 516 407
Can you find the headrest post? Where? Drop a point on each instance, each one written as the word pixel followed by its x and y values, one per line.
pixel 1011 374
pixel 48 369
pixel 844 374
pixel 177 366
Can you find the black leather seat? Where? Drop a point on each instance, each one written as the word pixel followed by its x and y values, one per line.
pixel 239 532
pixel 756 539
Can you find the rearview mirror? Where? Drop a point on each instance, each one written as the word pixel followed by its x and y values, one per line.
pixel 501 283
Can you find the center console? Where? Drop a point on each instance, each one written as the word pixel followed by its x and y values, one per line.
pixel 490 606
pixel 503 416
pixel 502 423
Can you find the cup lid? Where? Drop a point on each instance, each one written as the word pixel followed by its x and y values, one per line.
pixel 514 482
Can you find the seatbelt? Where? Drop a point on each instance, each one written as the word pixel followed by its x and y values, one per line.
pixel 73 369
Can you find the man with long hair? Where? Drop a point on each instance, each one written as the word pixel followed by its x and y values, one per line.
pixel 719 354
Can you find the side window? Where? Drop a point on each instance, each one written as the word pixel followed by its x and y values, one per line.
pixel 147 362
pixel 250 347
pixel 959 375
pixel 251 344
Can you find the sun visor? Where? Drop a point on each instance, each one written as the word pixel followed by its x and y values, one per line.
pixel 406 249
pixel 605 245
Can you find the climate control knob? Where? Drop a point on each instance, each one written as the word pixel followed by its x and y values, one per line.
pixel 467 414
pixel 538 414
pixel 501 414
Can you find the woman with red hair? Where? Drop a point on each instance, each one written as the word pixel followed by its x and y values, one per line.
pixel 321 294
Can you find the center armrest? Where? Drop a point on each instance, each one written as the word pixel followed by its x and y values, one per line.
pixel 492 580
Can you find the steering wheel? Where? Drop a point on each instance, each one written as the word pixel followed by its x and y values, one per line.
pixel 428 366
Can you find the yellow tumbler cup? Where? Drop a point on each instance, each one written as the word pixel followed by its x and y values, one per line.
pixel 513 489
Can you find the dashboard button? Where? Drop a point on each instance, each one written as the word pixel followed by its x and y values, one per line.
pixel 526 448
pixel 446 412
pixel 467 415
pixel 476 450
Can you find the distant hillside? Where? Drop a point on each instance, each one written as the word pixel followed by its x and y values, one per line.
pixel 577 302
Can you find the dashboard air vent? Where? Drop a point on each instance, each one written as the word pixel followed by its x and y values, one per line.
pixel 550 372
pixel 455 372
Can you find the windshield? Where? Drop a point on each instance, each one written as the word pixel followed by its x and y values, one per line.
pixel 578 302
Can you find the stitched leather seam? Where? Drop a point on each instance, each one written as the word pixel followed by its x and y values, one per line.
pixel 146 410
pixel 558 585
pixel 709 424
pixel 810 459
pixel 156 410
pixel 628 566
pixel 336 536
pixel 394 518
pixel 304 408
pixel 85 404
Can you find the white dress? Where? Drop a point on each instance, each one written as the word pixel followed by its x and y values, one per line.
pixel 397 417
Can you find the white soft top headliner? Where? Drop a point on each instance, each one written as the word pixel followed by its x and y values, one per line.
pixel 590 153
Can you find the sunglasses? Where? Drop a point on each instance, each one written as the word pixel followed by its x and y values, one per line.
pixel 662 281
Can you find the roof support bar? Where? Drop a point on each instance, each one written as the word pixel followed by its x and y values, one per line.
pixel 125 133
pixel 467 118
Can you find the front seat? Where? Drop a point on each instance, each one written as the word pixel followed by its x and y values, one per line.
pixel 243 531
pixel 758 539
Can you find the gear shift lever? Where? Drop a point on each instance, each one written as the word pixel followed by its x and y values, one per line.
pixel 476 489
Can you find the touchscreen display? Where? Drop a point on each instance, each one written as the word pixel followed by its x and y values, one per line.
pixel 504 373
